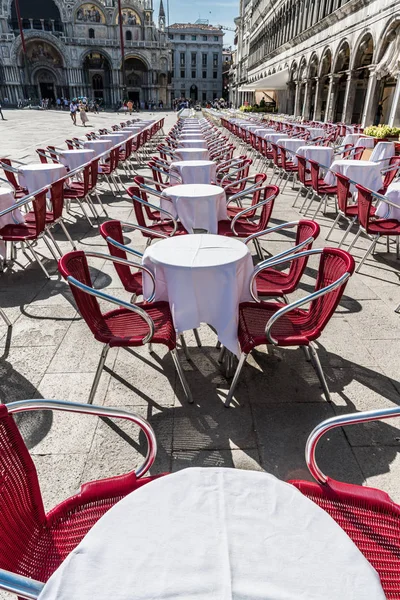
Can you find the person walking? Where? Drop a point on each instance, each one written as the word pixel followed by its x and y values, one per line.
pixel 1 114
pixel 72 110
pixel 83 115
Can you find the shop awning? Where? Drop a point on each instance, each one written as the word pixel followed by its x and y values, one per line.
pixel 276 81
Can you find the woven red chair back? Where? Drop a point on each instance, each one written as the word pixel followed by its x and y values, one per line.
pixel 343 190
pixel 39 211
pixel 93 173
pixel 271 192
pixel 157 176
pixel 42 158
pixel 57 198
pixel 139 180
pixel 364 206
pixel 113 229
pixel 138 208
pixel 301 169
pixel 370 518
pixel 74 264
pixel 347 150
pixel 21 507
pixel 306 229
pixel 334 263
pixel 52 151
pixel 315 179
pixel 390 175
pixel 10 176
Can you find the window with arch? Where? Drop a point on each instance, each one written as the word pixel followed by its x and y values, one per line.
pixel 91 34
pixel 97 82
pixel 128 36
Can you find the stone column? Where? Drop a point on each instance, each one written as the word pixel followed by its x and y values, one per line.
pixel 305 113
pixel 317 100
pixel 349 97
pixel 394 117
pixel 296 111
pixel 332 95
pixel 369 108
pixel 42 23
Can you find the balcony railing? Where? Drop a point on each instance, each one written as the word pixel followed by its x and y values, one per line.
pixel 50 25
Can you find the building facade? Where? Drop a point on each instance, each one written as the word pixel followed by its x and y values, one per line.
pixel 73 49
pixel 329 60
pixel 196 61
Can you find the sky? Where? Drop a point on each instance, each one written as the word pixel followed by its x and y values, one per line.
pixel 218 12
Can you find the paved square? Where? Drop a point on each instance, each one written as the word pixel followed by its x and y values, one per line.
pixel 52 354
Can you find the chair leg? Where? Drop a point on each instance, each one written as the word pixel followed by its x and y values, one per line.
pixel 196 335
pixel 368 252
pixel 101 203
pixel 351 223
pixel 100 367
pixel 306 351
pixel 181 376
pixel 39 262
pixel 5 318
pixel 335 222
pixel 323 199
pixel 221 354
pixel 258 248
pixel 184 347
pixel 66 233
pixel 46 241
pixel 317 366
pixel 397 310
pixel 242 360
pixel 57 247
pixel 354 240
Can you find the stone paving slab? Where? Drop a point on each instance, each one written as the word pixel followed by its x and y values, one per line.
pixel 52 354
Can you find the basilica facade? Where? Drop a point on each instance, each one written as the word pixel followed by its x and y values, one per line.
pixel 73 49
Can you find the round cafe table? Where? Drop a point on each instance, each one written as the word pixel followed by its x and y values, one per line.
pixel 193 143
pixel 37 175
pixel 116 138
pixel 204 278
pixel 191 154
pixel 192 171
pixel 215 534
pixel 321 154
pixel 73 159
pixel 190 136
pixel 387 211
pixel 365 172
pixel 99 146
pixel 198 206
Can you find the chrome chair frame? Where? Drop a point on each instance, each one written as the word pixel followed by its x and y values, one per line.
pixel 310 350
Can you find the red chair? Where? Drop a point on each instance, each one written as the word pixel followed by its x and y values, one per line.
pixel 374 228
pixel 19 192
pixel 128 326
pixel 273 282
pixel 109 170
pixel 34 544
pixel 235 181
pixel 131 279
pixel 369 516
pixel 55 216
pixel 168 228
pixel 390 173
pixel 79 191
pixel 345 211
pixel 31 231
pixel 304 178
pixel 140 181
pixel 257 186
pixel 297 326
pixel 320 189
pixel 241 227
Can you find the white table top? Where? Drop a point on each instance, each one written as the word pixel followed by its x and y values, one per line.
pixel 193 171
pixel 73 159
pixel 215 534
pixel 37 175
pixel 386 211
pixel 198 206
pixel 99 146
pixel 383 152
pixel 204 277
pixel 365 172
pixel 193 143
pixel 6 201
pixel 321 154
pixel 191 154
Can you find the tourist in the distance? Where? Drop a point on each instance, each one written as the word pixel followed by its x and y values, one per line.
pixel 83 115
pixel 1 114
pixel 72 111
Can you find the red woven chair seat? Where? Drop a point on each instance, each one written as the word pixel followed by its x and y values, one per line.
pixel 16 233
pixel 243 228
pixel 122 327
pixel 30 217
pixel 370 519
pixel 288 331
pixel 270 281
pixel 327 189
pixel 164 227
pixel 384 227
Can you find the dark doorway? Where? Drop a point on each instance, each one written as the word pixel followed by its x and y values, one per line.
pixel 193 93
pixel 134 96
pixel 47 91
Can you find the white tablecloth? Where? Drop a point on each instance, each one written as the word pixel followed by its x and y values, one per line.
pixel 383 152
pixel 364 172
pixel 204 278
pixel 215 534
pixel 198 206
pixel 292 146
pixel 274 137
pixel 351 138
pixel 191 154
pixel 365 142
pixel 192 171
pixel 193 143
pixel 115 138
pixel 196 135
pixel 38 175
pixel 316 132
pixel 385 211
pixel 321 154
pixel 73 159
pixel 99 146
pixel 12 218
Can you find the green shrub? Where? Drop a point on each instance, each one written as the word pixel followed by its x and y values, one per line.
pixel 382 131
